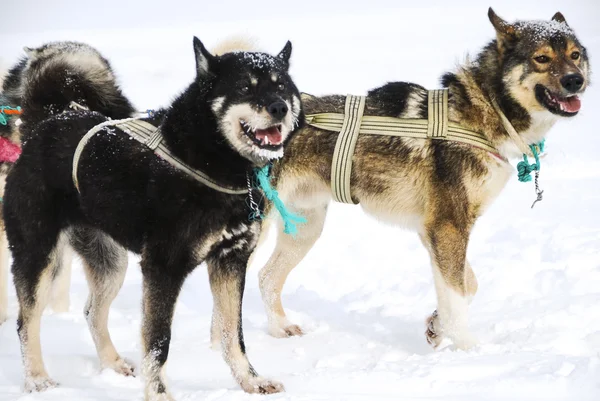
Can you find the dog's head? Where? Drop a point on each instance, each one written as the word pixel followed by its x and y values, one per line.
pixel 545 67
pixel 253 98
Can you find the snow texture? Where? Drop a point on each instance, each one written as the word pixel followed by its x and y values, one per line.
pixel 542 30
pixel 364 291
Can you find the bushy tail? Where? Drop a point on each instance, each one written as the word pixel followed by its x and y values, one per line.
pixel 69 72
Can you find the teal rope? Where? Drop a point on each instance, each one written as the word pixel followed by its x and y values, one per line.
pixel 3 117
pixel 264 183
pixel 525 169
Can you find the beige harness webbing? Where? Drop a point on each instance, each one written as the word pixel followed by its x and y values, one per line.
pixel 150 136
pixel 341 167
pixel 353 122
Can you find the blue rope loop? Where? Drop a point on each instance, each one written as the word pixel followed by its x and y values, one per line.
pixel 3 116
pixel 524 169
pixel 290 220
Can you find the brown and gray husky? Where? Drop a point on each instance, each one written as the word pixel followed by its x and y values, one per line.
pixel 535 71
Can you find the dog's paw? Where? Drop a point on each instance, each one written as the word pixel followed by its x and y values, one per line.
pixel 433 331
pixel 121 366
pixel 436 335
pixel 39 383
pixel 261 385
pixel 289 330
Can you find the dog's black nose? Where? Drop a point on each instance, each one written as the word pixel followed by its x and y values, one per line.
pixel 278 110
pixel 572 82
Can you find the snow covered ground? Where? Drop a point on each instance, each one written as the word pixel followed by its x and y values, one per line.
pixel 365 289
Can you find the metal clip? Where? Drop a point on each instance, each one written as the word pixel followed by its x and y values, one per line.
pixel 537 189
pixel 255 213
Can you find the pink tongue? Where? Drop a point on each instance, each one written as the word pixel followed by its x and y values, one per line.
pixel 272 133
pixel 571 104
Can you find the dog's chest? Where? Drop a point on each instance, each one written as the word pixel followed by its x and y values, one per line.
pixel 236 237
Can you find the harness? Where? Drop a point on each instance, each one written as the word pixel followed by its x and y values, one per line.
pixel 353 122
pixel 436 127
pixel 152 137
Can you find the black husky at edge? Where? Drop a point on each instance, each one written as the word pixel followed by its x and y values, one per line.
pixel 131 199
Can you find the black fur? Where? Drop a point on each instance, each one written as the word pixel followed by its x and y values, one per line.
pixel 392 98
pixel 141 201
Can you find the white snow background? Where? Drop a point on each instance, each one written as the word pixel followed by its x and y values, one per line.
pixel 363 292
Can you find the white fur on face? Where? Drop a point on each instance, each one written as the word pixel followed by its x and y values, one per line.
pixel 295 108
pixel 217 104
pixel 524 91
pixel 230 124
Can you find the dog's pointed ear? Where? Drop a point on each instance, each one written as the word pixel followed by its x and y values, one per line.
pixel 560 18
pixel 502 27
pixel 204 60
pixel 505 33
pixel 286 52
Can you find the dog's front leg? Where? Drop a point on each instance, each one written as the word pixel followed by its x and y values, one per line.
pixel 227 272
pixel 162 284
pixel 455 283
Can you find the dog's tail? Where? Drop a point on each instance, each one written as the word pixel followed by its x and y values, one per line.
pixel 68 73
pixel 235 43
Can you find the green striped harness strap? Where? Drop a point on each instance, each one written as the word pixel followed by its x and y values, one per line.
pixel 152 137
pixel 353 122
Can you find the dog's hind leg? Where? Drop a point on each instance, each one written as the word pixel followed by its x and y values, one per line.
pixel 227 280
pixel 455 284
pixel 60 299
pixel 289 251
pixel 35 262
pixel 3 277
pixel 105 265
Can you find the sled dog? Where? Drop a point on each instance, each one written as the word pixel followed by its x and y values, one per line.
pixel 85 180
pixel 534 71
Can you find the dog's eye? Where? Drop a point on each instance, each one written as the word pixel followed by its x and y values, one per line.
pixel 281 87
pixel 542 59
pixel 575 55
pixel 245 89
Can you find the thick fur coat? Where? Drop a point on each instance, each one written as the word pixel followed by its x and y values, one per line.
pixel 534 70
pixel 130 199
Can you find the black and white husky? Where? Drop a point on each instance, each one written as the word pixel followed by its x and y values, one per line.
pixel 235 116
pixel 45 82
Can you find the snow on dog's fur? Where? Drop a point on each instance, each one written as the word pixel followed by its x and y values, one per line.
pixel 130 199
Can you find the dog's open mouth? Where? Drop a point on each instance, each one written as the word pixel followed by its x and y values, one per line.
pixel 564 106
pixel 266 138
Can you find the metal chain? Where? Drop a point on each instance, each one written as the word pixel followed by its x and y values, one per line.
pixel 537 189
pixel 255 210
